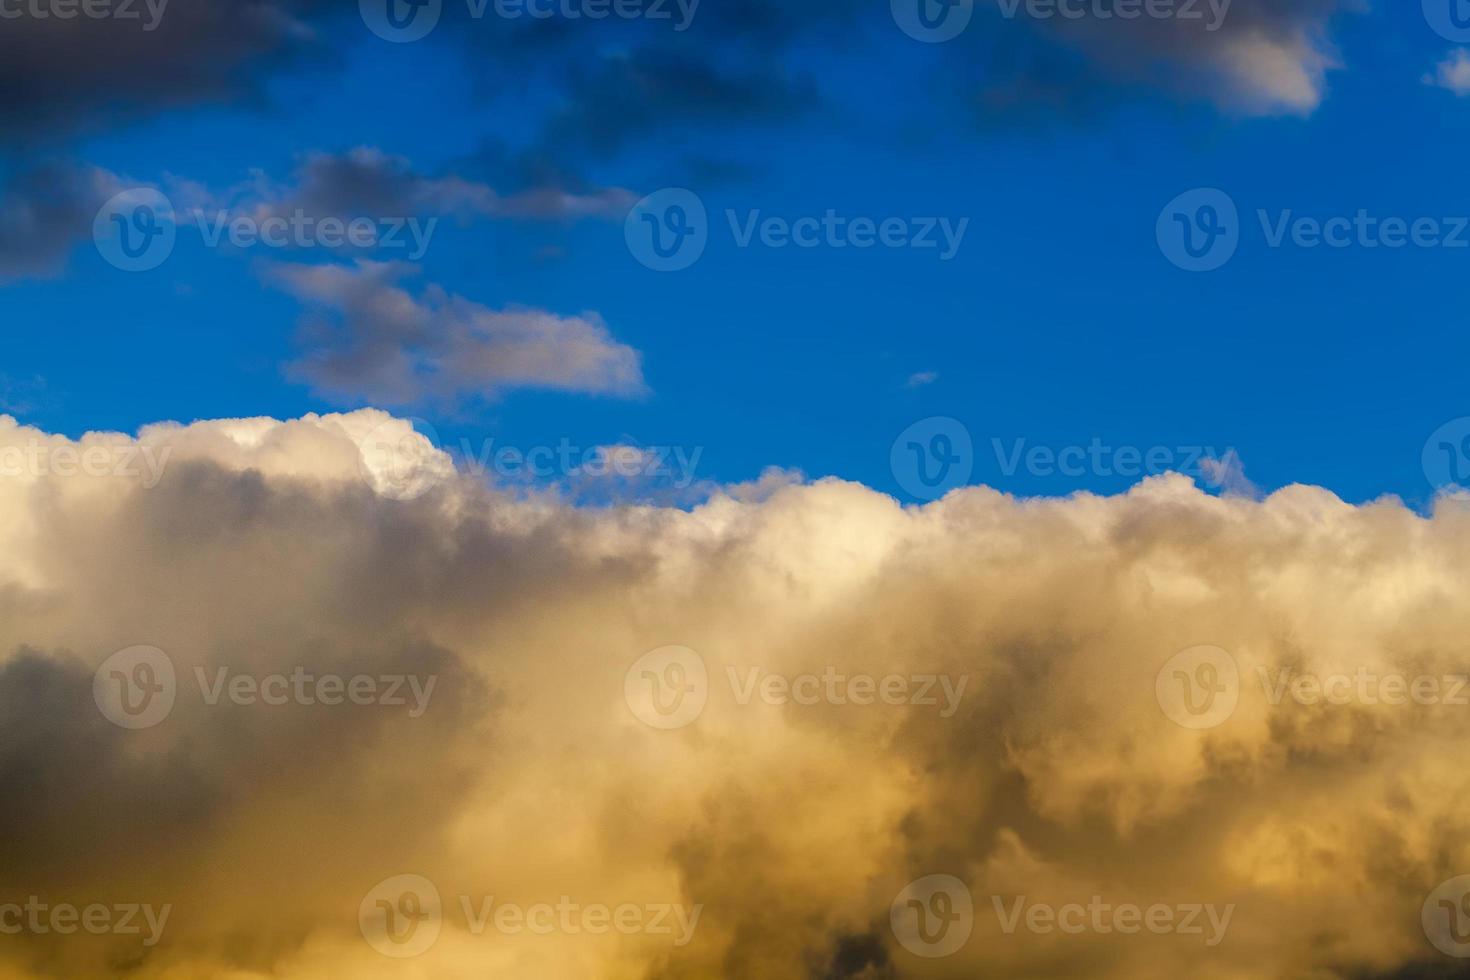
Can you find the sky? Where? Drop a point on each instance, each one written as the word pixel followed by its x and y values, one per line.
pixel 642 490
pixel 1047 147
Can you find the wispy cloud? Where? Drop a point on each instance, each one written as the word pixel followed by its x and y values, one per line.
pixel 367 338
pixel 1453 73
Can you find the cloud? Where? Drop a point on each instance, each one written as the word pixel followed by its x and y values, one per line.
pixel 1249 57
pixel 1452 74
pixel 921 378
pixel 265 547
pixel 1228 473
pixel 45 209
pixel 365 181
pixel 61 73
pixel 652 90
pixel 368 338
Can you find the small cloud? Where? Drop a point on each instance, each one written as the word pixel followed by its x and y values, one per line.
pixel 1452 74
pixel 369 338
pixel 1227 474
pixel 921 378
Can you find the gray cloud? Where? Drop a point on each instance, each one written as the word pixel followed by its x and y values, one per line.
pixel 367 337
pixel 61 73
pixel 365 181
pixel 44 211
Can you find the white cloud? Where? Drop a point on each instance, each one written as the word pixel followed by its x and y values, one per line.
pixel 269 545
pixel 1452 74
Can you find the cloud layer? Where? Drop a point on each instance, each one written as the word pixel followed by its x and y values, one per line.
pixel 261 547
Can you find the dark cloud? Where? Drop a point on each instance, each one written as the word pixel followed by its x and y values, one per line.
pixel 45 210
pixel 56 74
pixel 645 92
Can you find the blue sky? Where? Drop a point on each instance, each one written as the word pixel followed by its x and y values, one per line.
pixel 1058 322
